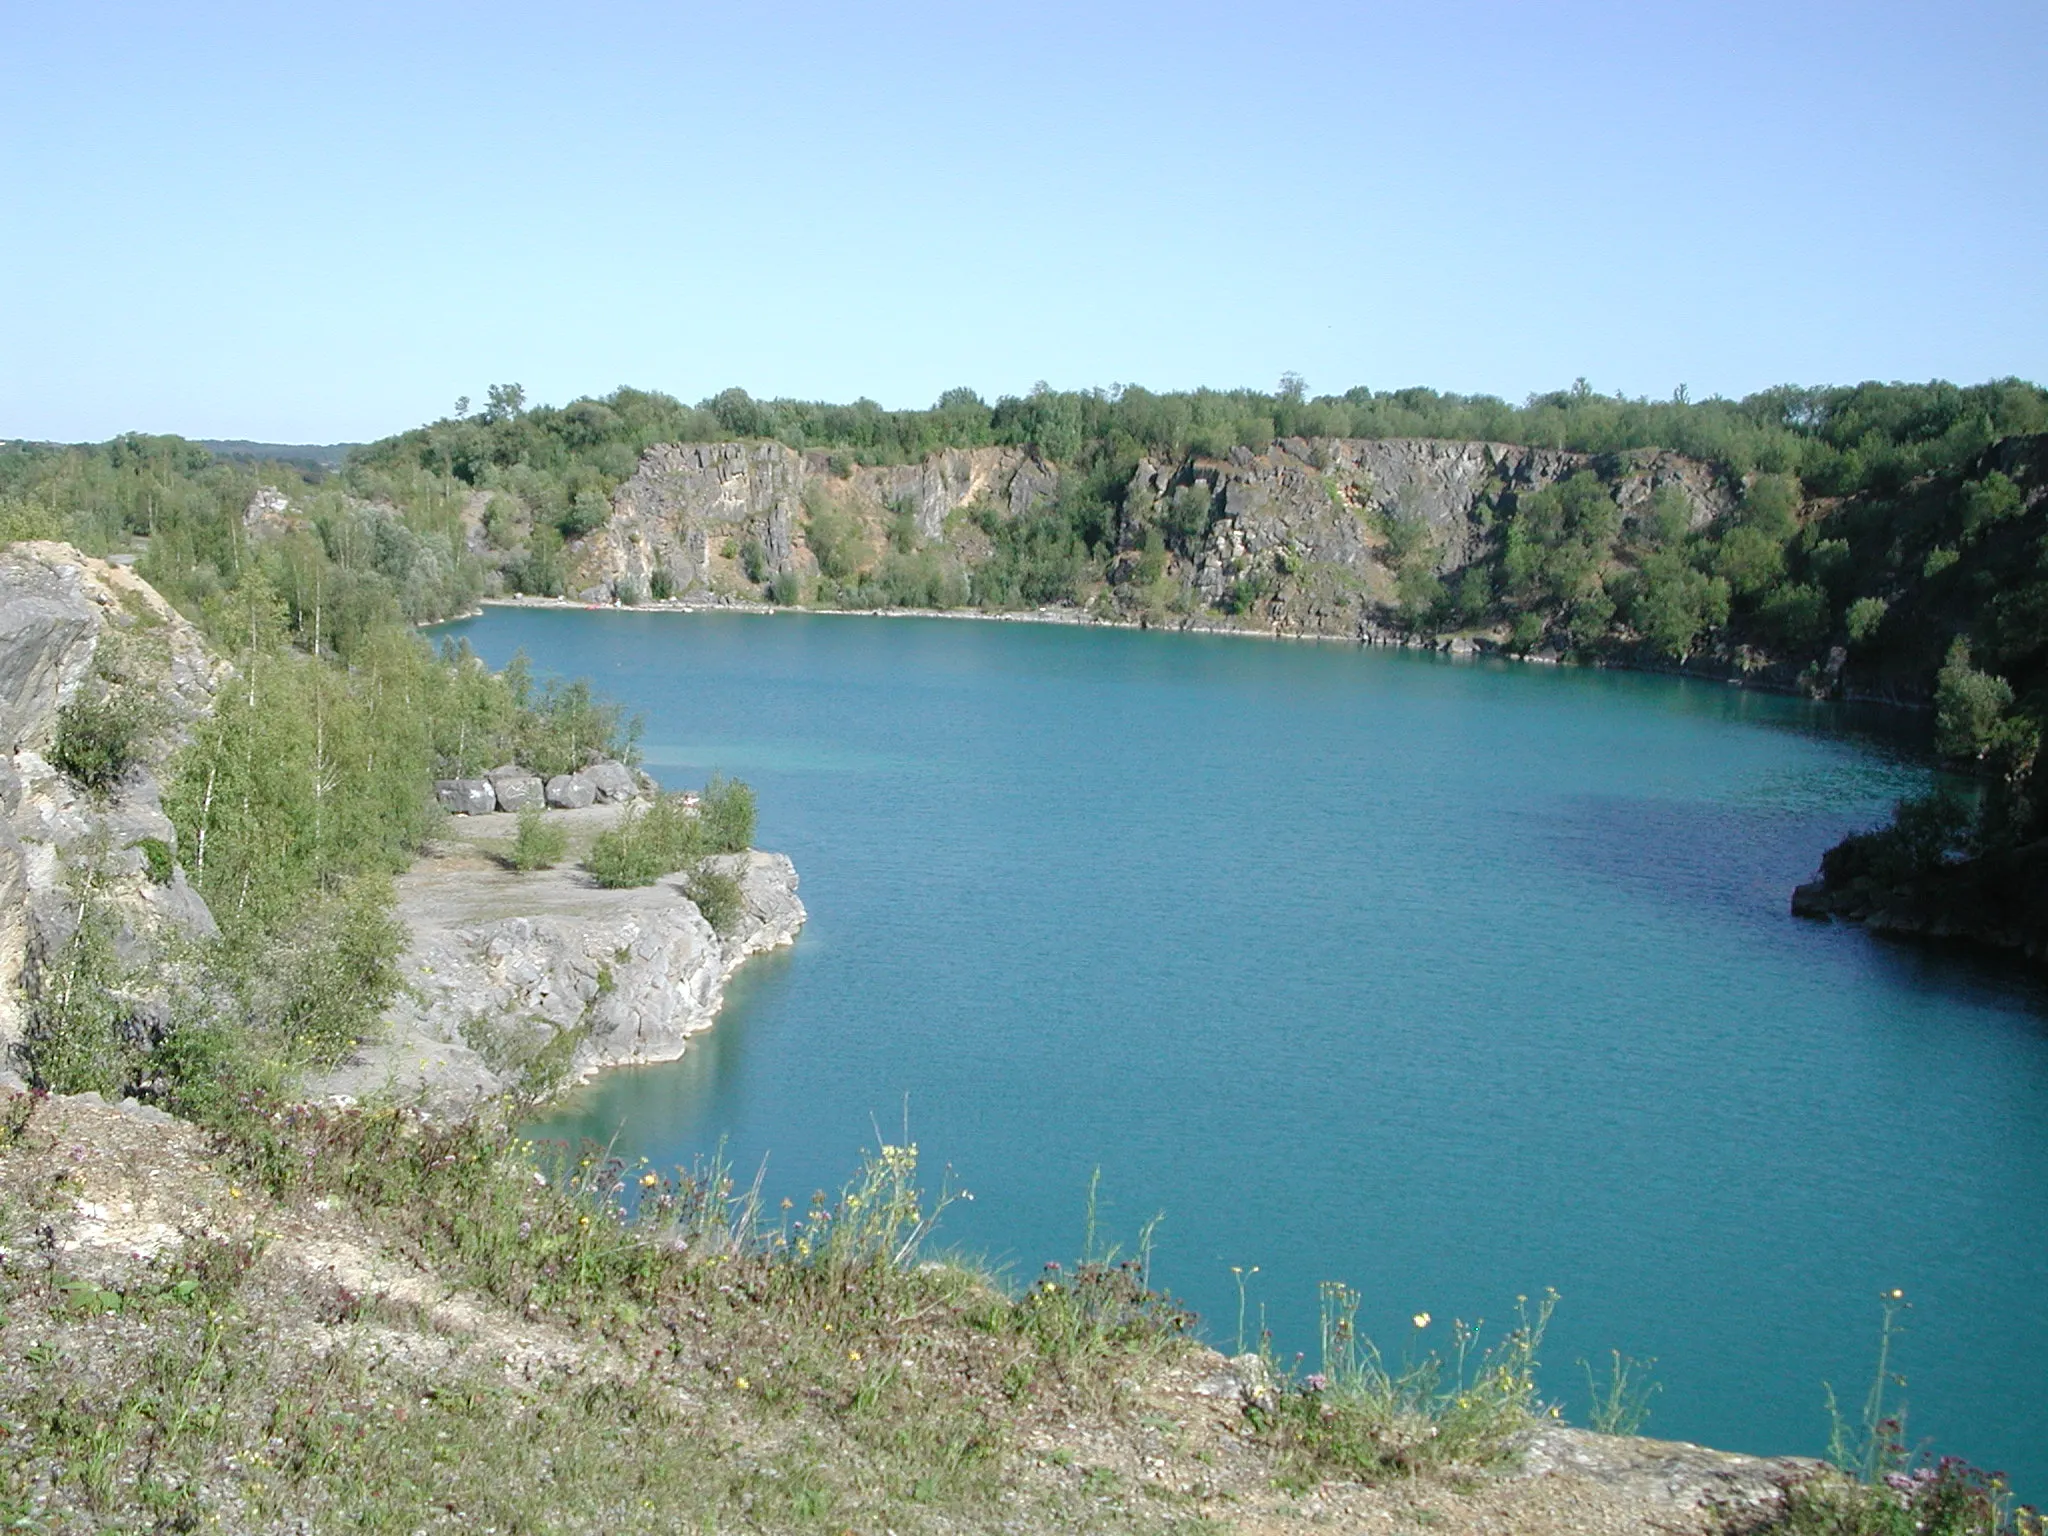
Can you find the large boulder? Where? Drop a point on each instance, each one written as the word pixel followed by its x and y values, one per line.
pixel 571 791
pixel 516 789
pixel 466 797
pixel 612 781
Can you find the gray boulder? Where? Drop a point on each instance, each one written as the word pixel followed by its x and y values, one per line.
pixel 571 791
pixel 612 781
pixel 520 792
pixel 467 797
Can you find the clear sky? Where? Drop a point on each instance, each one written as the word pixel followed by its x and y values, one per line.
pixel 318 222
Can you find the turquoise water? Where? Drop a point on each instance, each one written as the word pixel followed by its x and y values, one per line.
pixel 1452 981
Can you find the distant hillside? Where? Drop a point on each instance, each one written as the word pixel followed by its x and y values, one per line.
pixel 320 455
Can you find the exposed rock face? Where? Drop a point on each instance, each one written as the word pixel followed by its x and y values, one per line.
pixel 58 610
pixel 518 984
pixel 1308 514
pixel 690 501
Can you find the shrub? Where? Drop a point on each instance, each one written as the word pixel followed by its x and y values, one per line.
pixel 628 592
pixel 661 583
pixel 754 561
pixel 717 895
pixel 650 843
pixel 727 819
pixel 539 843
pixel 1864 617
pixel 75 1038
pixel 156 858
pixel 786 587
pixel 1967 705
pixel 97 739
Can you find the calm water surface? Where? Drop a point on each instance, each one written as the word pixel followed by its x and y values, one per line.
pixel 1450 981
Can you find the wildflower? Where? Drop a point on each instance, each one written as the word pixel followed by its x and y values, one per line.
pixel 853 1355
pixel 1421 1319
pixel 648 1180
pixel 743 1384
pixel 1315 1382
pixel 234 1191
pixel 582 1221
pixel 1898 1295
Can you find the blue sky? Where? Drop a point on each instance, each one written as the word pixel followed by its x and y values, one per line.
pixel 325 222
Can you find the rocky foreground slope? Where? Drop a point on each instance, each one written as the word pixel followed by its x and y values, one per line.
pixel 188 1343
pixel 75 630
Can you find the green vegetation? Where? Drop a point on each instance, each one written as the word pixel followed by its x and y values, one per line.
pixel 670 835
pixel 1886 1487
pixel 1359 1416
pixel 540 842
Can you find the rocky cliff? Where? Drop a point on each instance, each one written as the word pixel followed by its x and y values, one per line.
pixel 76 631
pixel 1309 516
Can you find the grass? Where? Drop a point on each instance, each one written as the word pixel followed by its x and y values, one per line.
pixel 1361 1417
pixel 742 1365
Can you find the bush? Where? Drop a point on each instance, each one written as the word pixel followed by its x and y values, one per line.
pixel 97 740
pixel 754 561
pixel 661 583
pixel 717 895
pixel 1866 614
pixel 1967 705
pixel 539 843
pixel 75 1038
pixel 727 819
pixel 786 587
pixel 648 844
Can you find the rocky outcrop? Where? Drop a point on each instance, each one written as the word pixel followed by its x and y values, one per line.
pixel 1996 900
pixel 517 985
pixel 692 507
pixel 1307 516
pixel 74 628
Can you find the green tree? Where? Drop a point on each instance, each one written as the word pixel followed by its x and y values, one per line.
pixel 1967 705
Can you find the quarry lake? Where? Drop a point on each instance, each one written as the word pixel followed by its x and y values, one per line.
pixel 1450 980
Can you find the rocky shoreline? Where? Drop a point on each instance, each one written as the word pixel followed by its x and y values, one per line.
pixel 517 986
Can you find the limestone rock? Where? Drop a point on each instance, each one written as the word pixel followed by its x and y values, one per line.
pixel 612 781
pixel 466 797
pixel 1662 1472
pixel 515 789
pixel 48 630
pixel 579 979
pixel 571 791
pixel 58 609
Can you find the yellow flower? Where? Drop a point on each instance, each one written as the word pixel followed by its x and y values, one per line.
pixel 853 1355
pixel 1898 1295
pixel 743 1383
pixel 1421 1319
pixel 234 1191
pixel 648 1181
pixel 582 1221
